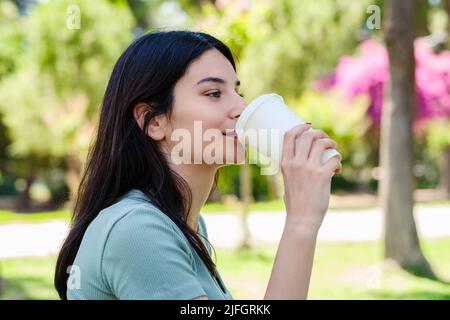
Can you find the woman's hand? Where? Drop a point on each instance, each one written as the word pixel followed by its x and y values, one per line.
pixel 307 183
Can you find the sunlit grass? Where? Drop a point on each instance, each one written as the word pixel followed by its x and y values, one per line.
pixel 278 205
pixel 9 216
pixel 341 271
pixel 28 278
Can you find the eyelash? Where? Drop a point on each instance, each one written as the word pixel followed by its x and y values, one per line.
pixel 211 94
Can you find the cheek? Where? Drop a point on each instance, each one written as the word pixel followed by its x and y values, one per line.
pixel 211 117
pixel 210 114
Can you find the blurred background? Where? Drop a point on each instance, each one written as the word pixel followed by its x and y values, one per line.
pixel 374 75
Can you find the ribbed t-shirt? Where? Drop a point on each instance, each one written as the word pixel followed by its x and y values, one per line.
pixel 132 250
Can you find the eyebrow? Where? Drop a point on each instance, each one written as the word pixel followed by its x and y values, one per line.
pixel 217 80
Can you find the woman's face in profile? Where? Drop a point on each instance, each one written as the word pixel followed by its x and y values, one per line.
pixel 206 106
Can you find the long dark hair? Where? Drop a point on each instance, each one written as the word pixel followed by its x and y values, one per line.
pixel 123 157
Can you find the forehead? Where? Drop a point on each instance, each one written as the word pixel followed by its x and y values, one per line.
pixel 211 63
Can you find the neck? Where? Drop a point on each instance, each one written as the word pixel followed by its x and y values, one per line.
pixel 200 180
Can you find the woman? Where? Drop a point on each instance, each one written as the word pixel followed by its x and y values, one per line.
pixel 137 232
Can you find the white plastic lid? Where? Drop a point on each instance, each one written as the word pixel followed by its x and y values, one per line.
pixel 248 111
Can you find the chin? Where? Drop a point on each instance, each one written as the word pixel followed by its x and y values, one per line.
pixel 235 156
pixel 233 152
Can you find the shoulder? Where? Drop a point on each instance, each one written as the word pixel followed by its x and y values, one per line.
pixel 133 208
pixel 146 254
pixel 135 217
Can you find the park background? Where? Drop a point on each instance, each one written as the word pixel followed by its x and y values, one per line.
pixel 374 75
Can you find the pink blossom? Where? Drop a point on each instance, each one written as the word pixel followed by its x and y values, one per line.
pixel 368 73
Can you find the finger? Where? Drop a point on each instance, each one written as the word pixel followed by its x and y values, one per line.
pixel 339 170
pixel 289 140
pixel 318 148
pixel 304 143
pixel 333 166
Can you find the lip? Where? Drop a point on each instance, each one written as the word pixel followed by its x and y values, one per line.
pixel 230 133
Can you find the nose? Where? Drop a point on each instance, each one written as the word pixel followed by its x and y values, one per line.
pixel 237 108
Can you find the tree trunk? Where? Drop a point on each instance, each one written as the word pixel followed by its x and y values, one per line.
pixel 445 172
pixel 246 199
pixel 396 145
pixel 24 200
pixel 274 187
pixel 73 174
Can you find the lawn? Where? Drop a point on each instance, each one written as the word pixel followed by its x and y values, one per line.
pixel 341 271
pixel 278 205
pixel 9 216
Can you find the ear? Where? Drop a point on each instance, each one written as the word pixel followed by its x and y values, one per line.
pixel 157 125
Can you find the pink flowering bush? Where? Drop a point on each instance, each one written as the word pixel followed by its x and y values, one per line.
pixel 368 73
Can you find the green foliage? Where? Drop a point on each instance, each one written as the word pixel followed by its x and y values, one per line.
pixel 341 271
pixel 54 177
pixel 426 164
pixel 52 78
pixel 283 45
pixel 7 186
pixel 429 150
pixel 162 14
pixel 346 123
pixel 11 37
pixel 51 102
pixel 438 135
pixel 229 182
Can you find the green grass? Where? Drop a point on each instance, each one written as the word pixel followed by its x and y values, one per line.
pixel 341 271
pixel 278 205
pixel 9 216
pixel 28 278
pixel 264 206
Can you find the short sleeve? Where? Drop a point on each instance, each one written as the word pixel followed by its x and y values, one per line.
pixel 145 258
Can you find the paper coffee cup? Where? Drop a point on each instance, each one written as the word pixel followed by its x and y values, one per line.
pixel 264 122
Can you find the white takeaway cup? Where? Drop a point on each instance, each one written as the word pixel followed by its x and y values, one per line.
pixel 263 123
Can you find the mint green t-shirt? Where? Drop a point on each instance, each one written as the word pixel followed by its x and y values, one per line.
pixel 132 250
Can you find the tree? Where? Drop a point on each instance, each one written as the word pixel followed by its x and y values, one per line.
pixel 445 159
pixel 11 42
pixel 367 74
pixel 281 47
pixel 396 154
pixel 10 39
pixel 51 102
pixel 246 196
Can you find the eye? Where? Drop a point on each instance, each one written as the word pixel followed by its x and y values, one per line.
pixel 214 94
